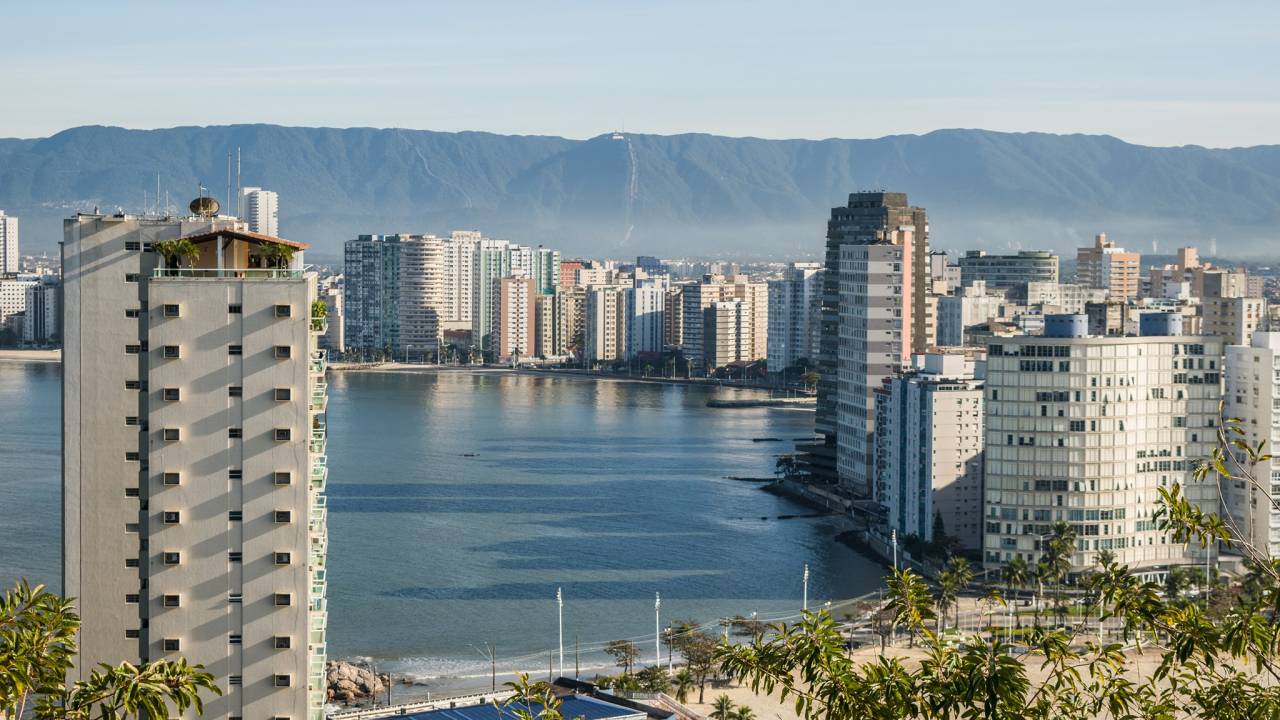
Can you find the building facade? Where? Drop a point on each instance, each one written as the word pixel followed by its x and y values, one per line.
pixel 646 316
pixel 420 303
pixel 371 272
pixel 1252 394
pixel 261 210
pixel 1109 267
pixel 1008 271
pixel 514 318
pixel 194 517
pixel 794 316
pixel 9 255
pixel 604 325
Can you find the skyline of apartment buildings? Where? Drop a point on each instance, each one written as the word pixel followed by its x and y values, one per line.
pixel 194 434
pixel 1105 265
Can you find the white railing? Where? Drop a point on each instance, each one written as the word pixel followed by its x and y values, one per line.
pixel 227 273
pixel 421 706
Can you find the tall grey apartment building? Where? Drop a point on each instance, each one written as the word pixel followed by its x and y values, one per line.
pixel 194 457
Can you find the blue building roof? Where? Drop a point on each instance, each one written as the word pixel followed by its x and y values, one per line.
pixel 571 707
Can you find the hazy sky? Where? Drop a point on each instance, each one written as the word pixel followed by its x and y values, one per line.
pixel 1159 73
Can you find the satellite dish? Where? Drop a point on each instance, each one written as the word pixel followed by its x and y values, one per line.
pixel 204 207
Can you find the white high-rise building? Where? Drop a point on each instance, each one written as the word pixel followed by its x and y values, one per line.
pixel 261 210
pixel 514 318
pixel 645 316
pixel 491 261
pixel 40 325
pixel 1252 394
pixel 8 244
pixel 794 316
pixel 604 324
pixel 971 305
pixel 420 303
pixel 1086 430
pixel 928 449
pixel 459 275
pixel 194 440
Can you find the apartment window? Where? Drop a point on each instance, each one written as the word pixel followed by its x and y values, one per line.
pixel 234 680
pixel 172 645
pixel 172 394
pixel 283 599
pixel 132 312
pixel 132 527
pixel 283 558
pixel 132 245
pixel 234 309
pixel 283 394
pixel 131 420
pixel 131 456
pixel 283 352
pixel 170 310
pixel 235 391
pixel 283 681
pixel 170 352
pixel 284 311
pixel 131 634
pixel 131 277
pixel 170 517
pixel 132 349
pixel 132 385
pixel 171 434
pixel 283 477
pixel 283 516
pixel 235 556
pixel 283 434
pixel 172 558
pixel 234 639
pixel 235 598
pixel 234 433
pixel 235 516
pixel 235 350
pixel 131 562
pixel 283 642
pixel 133 598
pixel 235 474
pixel 131 492
pixel 171 478
pixel 171 601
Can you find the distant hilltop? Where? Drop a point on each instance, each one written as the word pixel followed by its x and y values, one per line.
pixel 623 194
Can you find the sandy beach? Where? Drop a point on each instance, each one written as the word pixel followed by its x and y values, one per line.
pixel 31 356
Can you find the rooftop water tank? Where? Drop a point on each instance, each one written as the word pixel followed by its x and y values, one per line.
pixel 1160 324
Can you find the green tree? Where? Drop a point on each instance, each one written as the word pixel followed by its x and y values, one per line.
pixel 176 251
pixel 744 713
pixel 624 653
pixel 275 254
pixel 654 679
pixel 1016 574
pixel 684 682
pixel 722 709
pixel 530 701
pixel 700 656
pixel 37 644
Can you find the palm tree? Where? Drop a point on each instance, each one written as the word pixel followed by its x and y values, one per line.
pixel 275 255
pixel 684 685
pixel 1042 574
pixel 1015 577
pixel 177 250
pixel 744 713
pixel 722 709
pixel 948 589
pixel 963 575
pixel 1062 546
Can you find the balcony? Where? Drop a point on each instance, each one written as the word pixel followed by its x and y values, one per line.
pixel 318 362
pixel 227 274
pixel 319 473
pixel 319 324
pixel 319 397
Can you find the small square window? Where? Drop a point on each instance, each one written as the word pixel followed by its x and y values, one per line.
pixel 131 562
pixel 283 477
pixel 132 527
pixel 283 599
pixel 131 420
pixel 235 515
pixel 235 556
pixel 131 634
pixel 170 517
pixel 235 639
pixel 235 598
pixel 170 351
pixel 235 391
pixel 171 601
pixel 172 478
pixel 283 434
pixel 132 349
pixel 172 645
pixel 131 456
pixel 133 598
pixel 172 394
pixel 284 311
pixel 171 435
pixel 132 245
pixel 132 312
pixel 283 642
pixel 234 433
pixel 235 474
pixel 131 492
pixel 131 277
pixel 170 310
pixel 132 385
pixel 283 681
pixel 283 352
pixel 172 558
pixel 283 558
pixel 234 309
pixel 283 516
pixel 283 394
pixel 235 350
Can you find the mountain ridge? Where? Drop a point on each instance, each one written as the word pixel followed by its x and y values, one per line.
pixel 689 194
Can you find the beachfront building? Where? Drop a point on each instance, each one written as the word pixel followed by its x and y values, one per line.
pixel 1252 394
pixel 698 297
pixel 194 437
pixel 794 316
pixel 514 318
pixel 546 269
pixel 1106 266
pixel 491 262
pixel 928 450
pixel 40 322
pixel 1008 271
pixel 646 316
pixel 421 297
pixel 604 324
pixel 1086 430
pixel 371 271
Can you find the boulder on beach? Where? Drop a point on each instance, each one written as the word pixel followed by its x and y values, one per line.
pixel 351 682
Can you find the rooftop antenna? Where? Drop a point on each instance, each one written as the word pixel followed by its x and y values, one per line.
pixel 239 187
pixel 158 210
pixel 228 180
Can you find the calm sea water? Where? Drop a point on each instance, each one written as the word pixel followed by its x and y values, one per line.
pixel 459 502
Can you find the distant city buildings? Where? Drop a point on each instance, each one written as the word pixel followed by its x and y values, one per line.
pixel 1008 271
pixel 8 244
pixel 1106 266
pixel 261 210
pixel 795 316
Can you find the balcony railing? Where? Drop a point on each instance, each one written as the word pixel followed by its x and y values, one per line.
pixel 319 324
pixel 226 274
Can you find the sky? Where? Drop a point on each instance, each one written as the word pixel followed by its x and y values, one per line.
pixel 1154 73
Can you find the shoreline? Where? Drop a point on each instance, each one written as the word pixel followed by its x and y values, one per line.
pixel 33 355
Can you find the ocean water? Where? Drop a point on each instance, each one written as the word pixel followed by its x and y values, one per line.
pixel 459 502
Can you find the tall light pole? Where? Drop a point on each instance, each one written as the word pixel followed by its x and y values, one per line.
pixel 894 536
pixel 657 643
pixel 806 587
pixel 560 613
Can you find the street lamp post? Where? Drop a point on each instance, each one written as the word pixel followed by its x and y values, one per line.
pixel 560 613
pixel 806 587
pixel 657 643
pixel 894 536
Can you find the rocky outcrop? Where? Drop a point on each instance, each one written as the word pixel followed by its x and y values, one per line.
pixel 350 683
